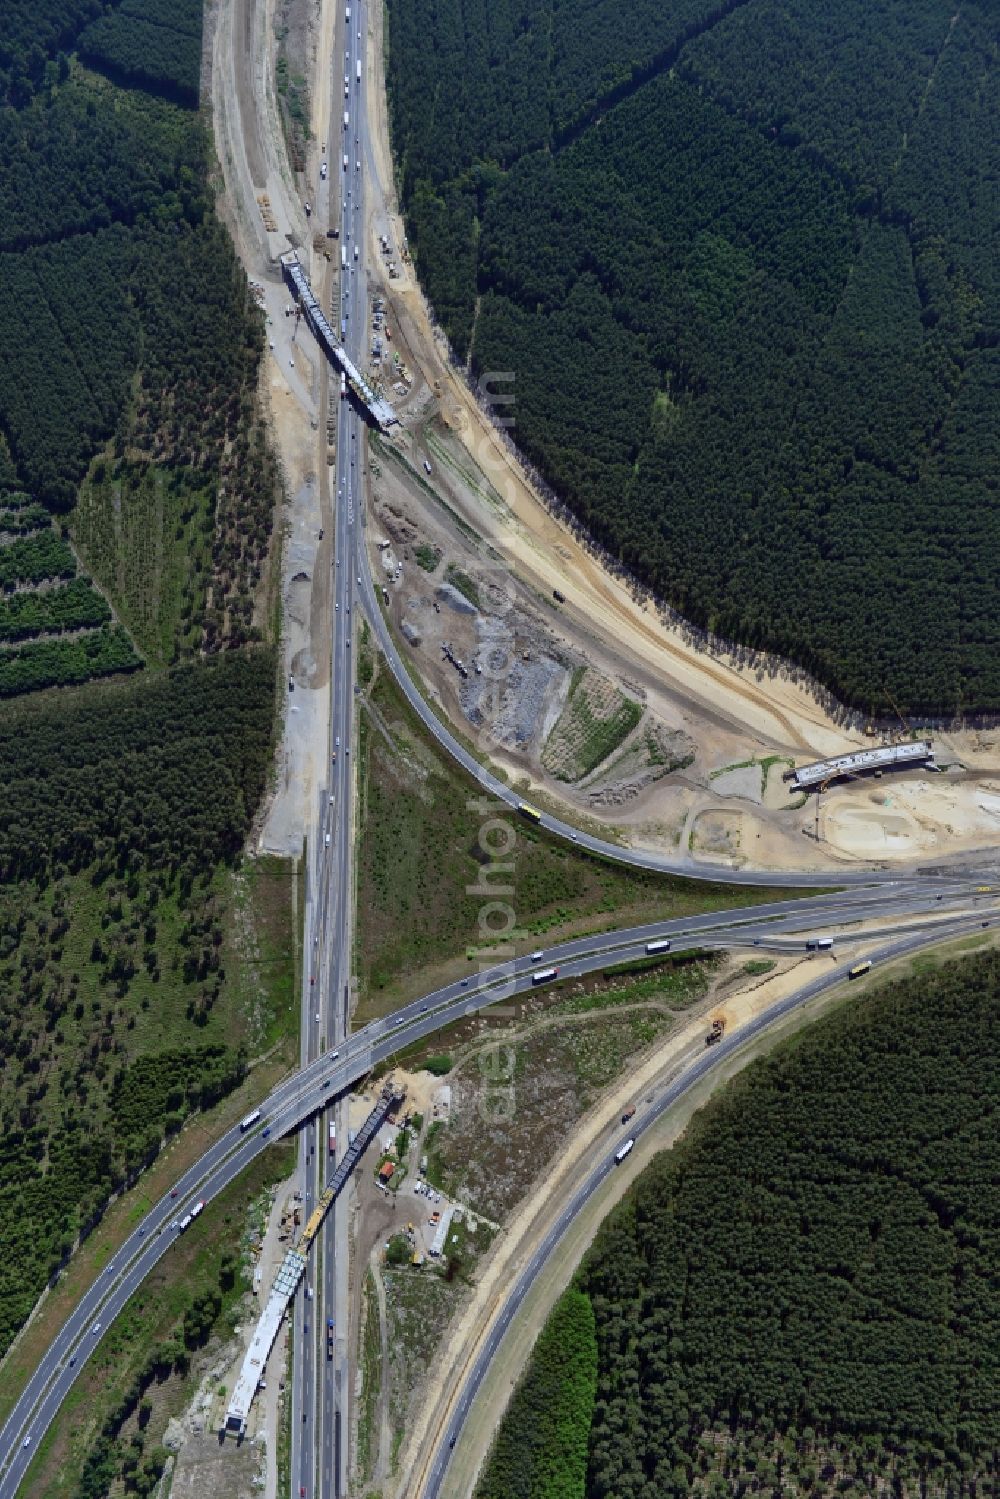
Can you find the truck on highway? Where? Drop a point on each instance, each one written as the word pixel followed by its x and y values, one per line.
pixel 322 170
pixel 343 257
pixel 250 1120
pixel 358 75
pixel 628 1114
pixel 333 1137
pixel 624 1150
pixel 544 975
pixel 347 119
pixel 716 1033
pixel 859 969
pixel 662 944
pixel 531 813
pixel 329 1337
pixel 355 252
pixel 823 943
pixel 343 385
pixel 345 161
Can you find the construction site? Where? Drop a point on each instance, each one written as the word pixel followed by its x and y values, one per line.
pixel 590 698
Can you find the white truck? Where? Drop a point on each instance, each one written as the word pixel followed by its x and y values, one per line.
pixel 347 119
pixel 358 74
pixel 333 1138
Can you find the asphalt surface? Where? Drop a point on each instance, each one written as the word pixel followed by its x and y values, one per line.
pixel 636 858
pixel 603 1167
pixel 778 926
pixel 320 1386
pixel 319 1389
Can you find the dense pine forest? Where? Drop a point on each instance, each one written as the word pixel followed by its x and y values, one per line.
pixel 801 1297
pixel 743 261
pixel 137 502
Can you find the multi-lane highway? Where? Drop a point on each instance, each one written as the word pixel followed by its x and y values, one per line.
pixel 320 1385
pixel 774 926
pixel 320 1388
pixel 434 1479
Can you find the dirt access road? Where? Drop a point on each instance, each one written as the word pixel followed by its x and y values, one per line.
pixel 263 207
pixel 769 708
pixel 751 712
pixel 778 711
pixel 737 1003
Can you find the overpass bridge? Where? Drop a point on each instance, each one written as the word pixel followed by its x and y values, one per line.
pixel 377 407
pixel 292 1267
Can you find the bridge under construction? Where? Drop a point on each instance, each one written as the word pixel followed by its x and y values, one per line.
pixel 377 407
pixel 292 1267
pixel 860 762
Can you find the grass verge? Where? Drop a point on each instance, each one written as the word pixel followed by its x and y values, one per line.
pixel 432 866
pixel 148 1363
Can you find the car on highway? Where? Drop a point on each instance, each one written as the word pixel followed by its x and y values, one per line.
pixel 95 1329
pixel 26 1442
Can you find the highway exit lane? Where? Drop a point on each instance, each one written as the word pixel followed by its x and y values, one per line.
pixel 310 1089
pixel 605 1166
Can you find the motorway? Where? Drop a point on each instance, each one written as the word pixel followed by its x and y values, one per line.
pixel 321 1386
pixel 634 858
pixel 450 1429
pixel 320 1389
pixel 778 926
